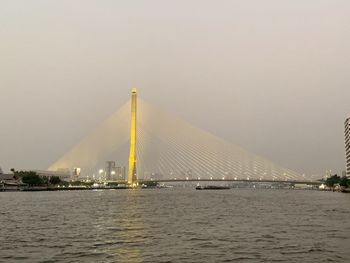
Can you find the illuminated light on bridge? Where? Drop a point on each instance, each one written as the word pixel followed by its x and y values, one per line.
pixel 162 145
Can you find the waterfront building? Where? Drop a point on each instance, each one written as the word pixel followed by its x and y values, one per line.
pixel 7 178
pixel 8 182
pixel 347 144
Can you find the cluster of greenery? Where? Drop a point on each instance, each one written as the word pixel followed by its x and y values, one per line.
pixel 335 179
pixel 31 178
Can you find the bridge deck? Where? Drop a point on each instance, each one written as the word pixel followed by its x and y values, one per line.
pixel 231 180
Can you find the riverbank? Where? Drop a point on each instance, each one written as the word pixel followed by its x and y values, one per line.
pixel 11 188
pixel 73 188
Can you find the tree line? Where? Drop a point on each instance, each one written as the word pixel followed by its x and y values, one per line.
pixel 334 180
pixel 31 178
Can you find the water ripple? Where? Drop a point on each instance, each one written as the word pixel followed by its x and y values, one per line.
pixel 179 225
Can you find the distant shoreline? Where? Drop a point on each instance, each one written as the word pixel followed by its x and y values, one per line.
pixel 42 189
pixel 77 188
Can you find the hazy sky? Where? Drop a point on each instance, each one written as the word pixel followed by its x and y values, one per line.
pixel 271 76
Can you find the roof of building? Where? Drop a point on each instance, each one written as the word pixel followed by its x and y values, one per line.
pixel 6 177
pixel 52 173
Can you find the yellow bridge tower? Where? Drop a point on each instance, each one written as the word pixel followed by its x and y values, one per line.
pixel 132 173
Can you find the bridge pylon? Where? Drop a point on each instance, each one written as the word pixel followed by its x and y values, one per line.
pixel 132 171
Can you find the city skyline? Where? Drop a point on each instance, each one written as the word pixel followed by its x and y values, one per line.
pixel 266 81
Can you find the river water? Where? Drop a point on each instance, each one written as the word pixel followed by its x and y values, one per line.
pixel 175 225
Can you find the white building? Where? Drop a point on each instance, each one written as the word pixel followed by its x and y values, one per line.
pixel 63 175
pixel 347 144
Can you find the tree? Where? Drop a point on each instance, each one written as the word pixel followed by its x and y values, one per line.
pixel 344 182
pixel 31 178
pixel 55 180
pixel 45 180
pixel 332 181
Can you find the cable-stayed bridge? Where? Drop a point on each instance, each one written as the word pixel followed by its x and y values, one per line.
pixel 168 148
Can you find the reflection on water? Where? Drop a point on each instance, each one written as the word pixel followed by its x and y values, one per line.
pixel 175 225
pixel 131 228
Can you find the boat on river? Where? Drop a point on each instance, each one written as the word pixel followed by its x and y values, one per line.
pixel 212 187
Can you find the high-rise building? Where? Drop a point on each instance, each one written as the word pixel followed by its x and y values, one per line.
pixel 113 172
pixel 119 173
pixel 347 144
pixel 110 167
pixel 343 173
pixel 76 174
